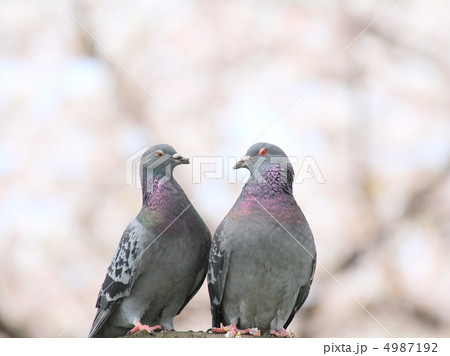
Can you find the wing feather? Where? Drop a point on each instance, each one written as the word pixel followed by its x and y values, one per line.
pixel 120 276
pixel 217 273
pixel 302 294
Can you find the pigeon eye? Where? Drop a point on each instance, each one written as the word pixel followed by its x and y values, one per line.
pixel 262 152
pixel 159 153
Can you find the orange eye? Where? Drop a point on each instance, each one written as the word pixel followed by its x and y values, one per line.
pixel 159 153
pixel 262 152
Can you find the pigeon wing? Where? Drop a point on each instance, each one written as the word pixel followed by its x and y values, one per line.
pixel 303 293
pixel 120 276
pixel 201 279
pixel 217 273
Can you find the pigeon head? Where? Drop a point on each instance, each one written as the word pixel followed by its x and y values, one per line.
pixel 262 154
pixel 267 163
pixel 158 162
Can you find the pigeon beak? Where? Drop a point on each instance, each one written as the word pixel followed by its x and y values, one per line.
pixel 180 159
pixel 242 162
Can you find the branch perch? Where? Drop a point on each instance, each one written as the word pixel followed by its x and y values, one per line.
pixel 182 334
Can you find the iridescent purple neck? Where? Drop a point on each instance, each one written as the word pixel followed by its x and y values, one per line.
pixel 269 192
pixel 157 191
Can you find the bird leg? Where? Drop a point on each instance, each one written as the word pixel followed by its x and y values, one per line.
pixel 282 333
pixel 232 331
pixel 138 326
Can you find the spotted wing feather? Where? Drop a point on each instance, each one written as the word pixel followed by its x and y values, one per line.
pixel 120 275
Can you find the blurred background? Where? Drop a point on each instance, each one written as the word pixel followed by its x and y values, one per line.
pixel 359 87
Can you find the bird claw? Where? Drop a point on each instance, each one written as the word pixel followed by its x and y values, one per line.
pixel 254 332
pixel 232 331
pixel 283 333
pixel 222 329
pixel 149 329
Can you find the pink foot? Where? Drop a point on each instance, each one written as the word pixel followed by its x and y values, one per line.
pixel 138 326
pixel 282 333
pixel 232 331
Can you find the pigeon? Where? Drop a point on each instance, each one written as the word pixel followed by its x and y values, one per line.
pixel 263 257
pixel 162 257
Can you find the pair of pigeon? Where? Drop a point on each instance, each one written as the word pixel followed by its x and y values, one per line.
pixel 260 263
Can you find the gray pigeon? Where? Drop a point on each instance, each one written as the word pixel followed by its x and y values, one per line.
pixel 162 258
pixel 263 257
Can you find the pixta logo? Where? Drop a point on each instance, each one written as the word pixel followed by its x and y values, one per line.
pixel 220 167
pixel 133 176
